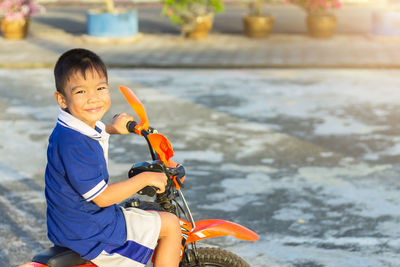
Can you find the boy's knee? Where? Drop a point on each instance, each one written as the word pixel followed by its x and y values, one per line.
pixel 173 221
pixel 170 223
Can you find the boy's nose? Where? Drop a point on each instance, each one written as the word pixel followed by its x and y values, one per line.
pixel 93 96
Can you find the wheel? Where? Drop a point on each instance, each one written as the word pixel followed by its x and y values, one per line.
pixel 212 257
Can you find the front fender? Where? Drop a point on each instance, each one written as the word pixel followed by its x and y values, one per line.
pixel 214 228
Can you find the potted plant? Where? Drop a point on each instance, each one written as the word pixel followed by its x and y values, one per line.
pixel 112 22
pixel 320 22
pixel 15 15
pixel 255 23
pixel 194 17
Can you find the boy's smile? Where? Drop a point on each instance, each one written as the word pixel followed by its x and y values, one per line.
pixel 86 99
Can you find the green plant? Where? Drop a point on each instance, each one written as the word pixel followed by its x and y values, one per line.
pixel 183 12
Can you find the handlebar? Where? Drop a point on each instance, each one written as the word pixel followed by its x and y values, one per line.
pixel 131 128
pixel 174 174
pixel 148 190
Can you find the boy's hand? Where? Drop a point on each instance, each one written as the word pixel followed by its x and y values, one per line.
pixel 115 193
pixel 159 180
pixel 118 125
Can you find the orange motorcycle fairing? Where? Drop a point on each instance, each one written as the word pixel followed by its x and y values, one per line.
pixel 162 146
pixel 165 152
pixel 138 107
pixel 213 228
pixel 186 227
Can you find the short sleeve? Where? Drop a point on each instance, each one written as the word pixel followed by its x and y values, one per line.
pixel 84 169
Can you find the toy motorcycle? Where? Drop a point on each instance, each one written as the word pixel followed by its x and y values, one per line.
pixel 192 231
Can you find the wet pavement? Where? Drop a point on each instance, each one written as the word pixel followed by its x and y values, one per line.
pixel 306 158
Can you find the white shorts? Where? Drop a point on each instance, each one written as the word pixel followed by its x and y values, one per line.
pixel 143 229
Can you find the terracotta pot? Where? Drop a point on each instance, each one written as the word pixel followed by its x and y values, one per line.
pixel 14 29
pixel 257 26
pixel 199 28
pixel 321 25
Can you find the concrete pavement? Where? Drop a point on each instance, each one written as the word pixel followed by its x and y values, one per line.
pixel 160 45
pixel 308 159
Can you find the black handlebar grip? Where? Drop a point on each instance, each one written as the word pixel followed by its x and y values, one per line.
pixel 131 126
pixel 148 191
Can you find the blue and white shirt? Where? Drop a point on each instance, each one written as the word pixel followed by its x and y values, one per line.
pixel 76 173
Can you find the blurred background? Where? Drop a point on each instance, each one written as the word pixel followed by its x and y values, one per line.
pixel 285 115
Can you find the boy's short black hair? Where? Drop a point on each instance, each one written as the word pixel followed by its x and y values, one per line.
pixel 77 59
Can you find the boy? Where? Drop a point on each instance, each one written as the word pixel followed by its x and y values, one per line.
pixel 81 206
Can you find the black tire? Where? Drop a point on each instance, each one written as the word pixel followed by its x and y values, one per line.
pixel 213 257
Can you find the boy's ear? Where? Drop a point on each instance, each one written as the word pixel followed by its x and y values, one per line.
pixel 60 100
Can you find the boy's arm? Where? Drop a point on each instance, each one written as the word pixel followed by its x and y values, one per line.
pixel 118 192
pixel 118 125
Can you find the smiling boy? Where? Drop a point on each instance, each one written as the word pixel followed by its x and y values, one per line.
pixel 81 204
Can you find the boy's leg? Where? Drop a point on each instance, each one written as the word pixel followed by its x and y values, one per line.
pixel 169 245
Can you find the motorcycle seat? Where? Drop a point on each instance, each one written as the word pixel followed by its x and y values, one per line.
pixel 59 257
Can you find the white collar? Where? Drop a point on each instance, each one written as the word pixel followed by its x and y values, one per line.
pixel 69 121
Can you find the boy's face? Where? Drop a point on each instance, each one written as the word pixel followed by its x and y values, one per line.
pixel 86 99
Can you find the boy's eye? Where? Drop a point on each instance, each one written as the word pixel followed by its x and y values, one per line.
pixel 102 88
pixel 79 92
